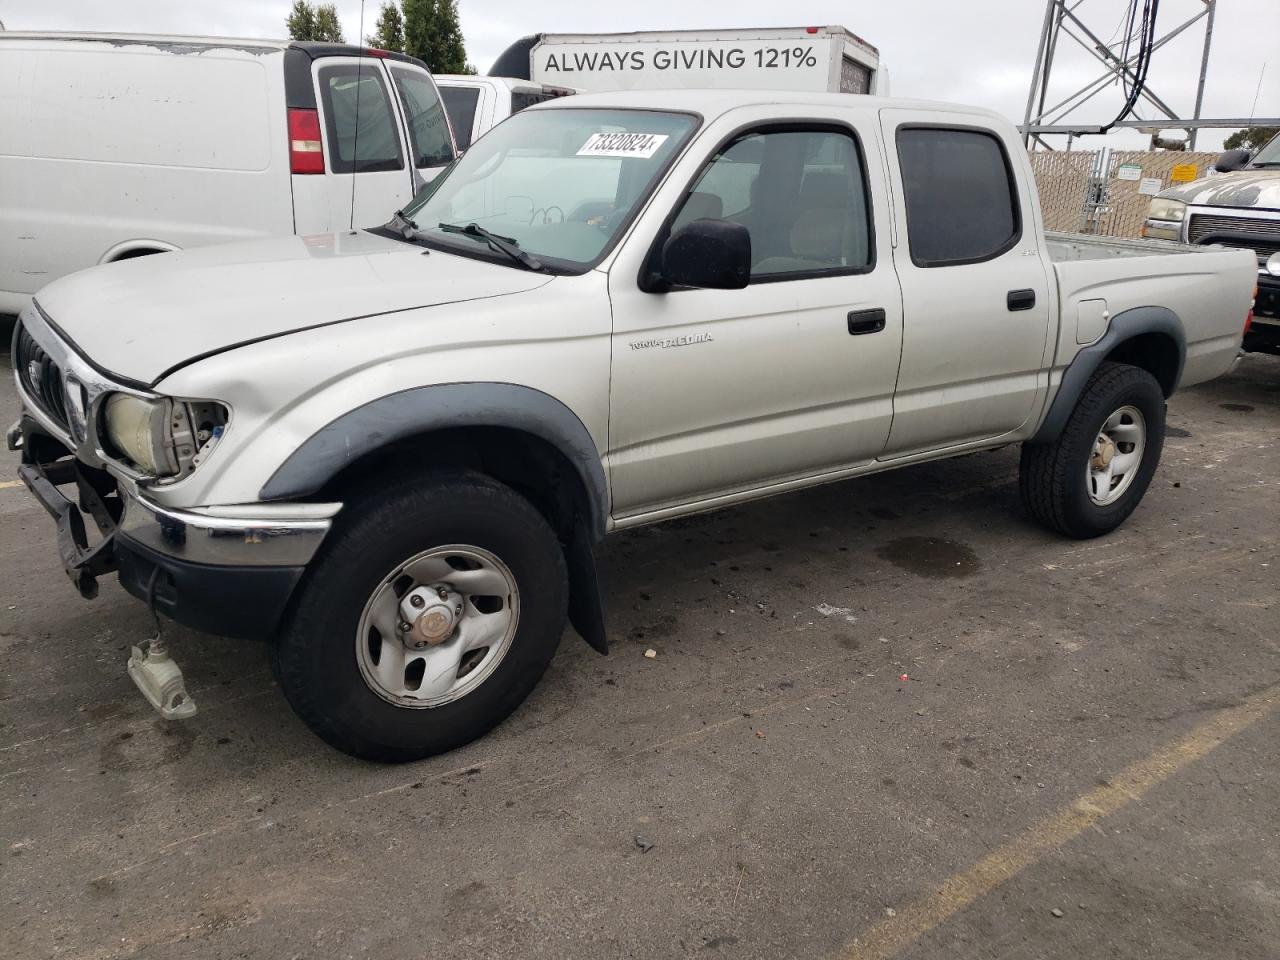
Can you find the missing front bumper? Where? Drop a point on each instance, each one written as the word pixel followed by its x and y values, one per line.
pixel 83 562
pixel 229 572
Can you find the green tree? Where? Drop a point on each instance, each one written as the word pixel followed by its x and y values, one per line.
pixel 301 22
pixel 389 32
pixel 432 33
pixel 1253 138
pixel 328 27
pixel 307 22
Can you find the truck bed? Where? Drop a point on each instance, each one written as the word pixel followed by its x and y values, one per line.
pixel 1078 246
pixel 1208 291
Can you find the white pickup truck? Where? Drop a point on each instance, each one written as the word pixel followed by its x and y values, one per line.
pixel 391 451
pixel 477 104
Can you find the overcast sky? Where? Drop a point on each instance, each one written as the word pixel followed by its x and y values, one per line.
pixel 980 51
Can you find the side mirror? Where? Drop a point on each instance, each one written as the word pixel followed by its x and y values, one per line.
pixel 1232 160
pixel 715 254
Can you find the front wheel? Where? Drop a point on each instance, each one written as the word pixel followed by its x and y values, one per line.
pixel 433 610
pixel 1088 481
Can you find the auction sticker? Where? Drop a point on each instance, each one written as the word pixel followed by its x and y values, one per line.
pixel 641 145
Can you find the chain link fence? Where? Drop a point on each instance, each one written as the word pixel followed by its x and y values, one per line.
pixel 1085 191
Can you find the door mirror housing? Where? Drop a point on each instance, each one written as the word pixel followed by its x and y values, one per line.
pixel 1232 160
pixel 715 254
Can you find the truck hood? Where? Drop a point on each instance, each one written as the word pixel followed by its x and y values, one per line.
pixel 1258 189
pixel 139 319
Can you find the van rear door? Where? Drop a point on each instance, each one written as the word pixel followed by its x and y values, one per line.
pixel 367 173
pixel 431 140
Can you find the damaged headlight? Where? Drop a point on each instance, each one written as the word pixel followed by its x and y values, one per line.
pixel 1163 208
pixel 160 437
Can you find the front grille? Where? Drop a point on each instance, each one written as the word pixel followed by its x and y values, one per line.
pixel 40 377
pixel 1260 236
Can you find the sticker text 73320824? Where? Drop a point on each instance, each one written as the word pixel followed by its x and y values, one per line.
pixel 641 145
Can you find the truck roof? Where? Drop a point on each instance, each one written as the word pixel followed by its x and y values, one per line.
pixel 713 103
pixel 514 84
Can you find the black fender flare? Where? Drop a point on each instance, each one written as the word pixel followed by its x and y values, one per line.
pixel 1124 326
pixel 420 409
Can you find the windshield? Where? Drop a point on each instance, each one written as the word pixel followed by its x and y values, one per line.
pixel 1268 156
pixel 561 182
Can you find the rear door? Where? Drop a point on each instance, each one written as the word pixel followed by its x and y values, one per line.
pixel 431 141
pixel 367 174
pixel 975 289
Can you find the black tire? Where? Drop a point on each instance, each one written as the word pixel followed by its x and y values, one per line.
pixel 1052 475
pixel 316 660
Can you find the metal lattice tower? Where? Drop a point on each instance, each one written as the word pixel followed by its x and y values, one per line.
pixel 1063 19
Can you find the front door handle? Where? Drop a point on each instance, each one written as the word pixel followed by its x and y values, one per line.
pixel 866 321
pixel 1021 299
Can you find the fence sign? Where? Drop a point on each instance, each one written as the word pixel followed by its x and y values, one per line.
pixel 1108 193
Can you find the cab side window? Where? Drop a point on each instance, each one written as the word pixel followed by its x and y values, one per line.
pixel 962 202
pixel 361 127
pixel 801 194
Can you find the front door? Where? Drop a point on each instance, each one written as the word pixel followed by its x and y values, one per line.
pixel 716 391
pixel 975 290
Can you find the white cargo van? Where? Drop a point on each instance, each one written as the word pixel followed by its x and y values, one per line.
pixel 814 59
pixel 475 104
pixel 115 146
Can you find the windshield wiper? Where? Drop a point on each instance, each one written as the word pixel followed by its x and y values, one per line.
pixel 402 225
pixel 508 245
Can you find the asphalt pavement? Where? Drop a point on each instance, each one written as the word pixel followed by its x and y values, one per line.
pixel 888 717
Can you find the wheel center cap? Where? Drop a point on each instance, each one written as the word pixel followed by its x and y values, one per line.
pixel 1104 452
pixel 432 614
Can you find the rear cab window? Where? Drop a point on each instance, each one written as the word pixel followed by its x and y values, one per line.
pixel 360 123
pixel 428 128
pixel 461 103
pixel 961 196
pixel 520 101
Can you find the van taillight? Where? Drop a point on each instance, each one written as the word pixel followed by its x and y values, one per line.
pixel 305 152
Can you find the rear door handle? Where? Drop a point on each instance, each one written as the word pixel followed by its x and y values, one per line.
pixel 1021 299
pixel 866 321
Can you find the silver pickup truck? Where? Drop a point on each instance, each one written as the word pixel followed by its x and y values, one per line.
pixel 1239 206
pixel 391 452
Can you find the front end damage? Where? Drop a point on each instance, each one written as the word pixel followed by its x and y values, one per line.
pixel 226 570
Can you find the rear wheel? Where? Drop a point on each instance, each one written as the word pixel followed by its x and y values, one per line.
pixel 432 612
pixel 1088 481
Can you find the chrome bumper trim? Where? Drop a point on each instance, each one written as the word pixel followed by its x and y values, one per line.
pixel 278 535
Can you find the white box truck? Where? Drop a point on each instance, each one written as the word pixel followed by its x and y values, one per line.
pixel 827 59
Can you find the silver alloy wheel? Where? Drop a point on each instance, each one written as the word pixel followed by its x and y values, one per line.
pixel 1117 455
pixel 437 626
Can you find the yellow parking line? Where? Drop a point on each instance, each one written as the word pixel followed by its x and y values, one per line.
pixel 893 934
pixel 7 484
